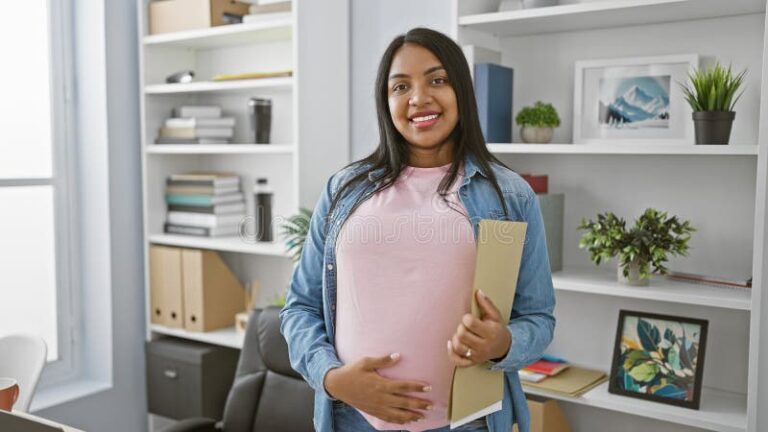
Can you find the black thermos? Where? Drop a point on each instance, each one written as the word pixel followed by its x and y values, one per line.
pixel 262 198
pixel 260 113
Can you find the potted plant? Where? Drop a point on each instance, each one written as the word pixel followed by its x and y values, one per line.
pixel 537 123
pixel 294 232
pixel 654 237
pixel 711 93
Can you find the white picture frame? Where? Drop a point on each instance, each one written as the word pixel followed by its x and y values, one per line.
pixel 633 100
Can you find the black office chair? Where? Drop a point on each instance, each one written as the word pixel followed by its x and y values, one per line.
pixel 267 395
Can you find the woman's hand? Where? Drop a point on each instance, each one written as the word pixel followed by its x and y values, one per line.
pixel 478 340
pixel 360 386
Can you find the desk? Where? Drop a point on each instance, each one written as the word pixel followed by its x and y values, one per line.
pixel 43 421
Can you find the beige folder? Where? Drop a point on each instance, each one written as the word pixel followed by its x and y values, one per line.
pixel 574 382
pixel 165 286
pixel 477 391
pixel 212 294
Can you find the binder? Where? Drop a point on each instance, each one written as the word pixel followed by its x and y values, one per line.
pixel 476 390
pixel 212 294
pixel 493 92
pixel 165 286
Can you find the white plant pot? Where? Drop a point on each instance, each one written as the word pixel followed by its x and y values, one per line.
pixel 536 135
pixel 634 274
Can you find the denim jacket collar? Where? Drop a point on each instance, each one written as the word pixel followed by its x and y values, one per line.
pixel 470 169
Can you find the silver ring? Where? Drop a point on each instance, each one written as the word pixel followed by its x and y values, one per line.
pixel 468 354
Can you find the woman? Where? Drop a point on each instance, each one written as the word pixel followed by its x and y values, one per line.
pixel 377 315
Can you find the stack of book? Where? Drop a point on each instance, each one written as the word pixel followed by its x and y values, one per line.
pixel 197 124
pixel 541 369
pixel 206 204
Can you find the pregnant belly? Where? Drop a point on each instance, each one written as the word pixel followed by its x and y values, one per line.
pixel 421 342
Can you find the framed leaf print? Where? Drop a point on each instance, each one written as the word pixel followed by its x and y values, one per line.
pixel 659 358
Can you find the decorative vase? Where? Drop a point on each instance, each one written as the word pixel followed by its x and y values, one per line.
pixel 634 274
pixel 536 135
pixel 713 127
pixel 530 4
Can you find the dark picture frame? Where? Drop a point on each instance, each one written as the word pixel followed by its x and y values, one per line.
pixel 659 358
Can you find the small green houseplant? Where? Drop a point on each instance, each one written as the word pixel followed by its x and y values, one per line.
pixel 712 94
pixel 647 244
pixel 537 123
pixel 294 231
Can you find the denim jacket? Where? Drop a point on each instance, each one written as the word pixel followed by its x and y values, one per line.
pixel 308 318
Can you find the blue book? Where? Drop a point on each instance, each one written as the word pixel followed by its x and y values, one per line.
pixel 493 91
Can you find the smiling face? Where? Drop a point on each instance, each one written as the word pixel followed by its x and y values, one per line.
pixel 422 102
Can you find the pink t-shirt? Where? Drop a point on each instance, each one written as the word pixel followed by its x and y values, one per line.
pixel 405 266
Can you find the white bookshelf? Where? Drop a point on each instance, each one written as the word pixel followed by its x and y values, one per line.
pixel 721 189
pixel 309 140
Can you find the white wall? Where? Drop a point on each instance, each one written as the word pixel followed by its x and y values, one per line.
pixel 374 24
pixel 111 30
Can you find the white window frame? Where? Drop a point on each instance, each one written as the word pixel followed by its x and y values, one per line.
pixel 66 232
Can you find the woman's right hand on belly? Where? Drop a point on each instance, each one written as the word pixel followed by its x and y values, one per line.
pixel 358 385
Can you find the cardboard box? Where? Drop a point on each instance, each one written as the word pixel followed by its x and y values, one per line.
pixel 546 415
pixel 179 15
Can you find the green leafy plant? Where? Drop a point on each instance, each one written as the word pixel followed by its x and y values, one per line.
pixel 295 232
pixel 540 115
pixel 654 236
pixel 713 89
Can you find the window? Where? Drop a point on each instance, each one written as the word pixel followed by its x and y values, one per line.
pixel 36 236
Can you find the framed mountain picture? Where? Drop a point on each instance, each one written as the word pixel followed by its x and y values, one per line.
pixel 659 358
pixel 633 100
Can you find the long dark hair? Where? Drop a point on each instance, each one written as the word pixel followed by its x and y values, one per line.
pixel 392 151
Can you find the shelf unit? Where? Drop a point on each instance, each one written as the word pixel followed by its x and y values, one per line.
pixel 305 153
pixel 721 189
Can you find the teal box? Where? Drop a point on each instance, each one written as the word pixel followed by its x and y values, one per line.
pixel 552 211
